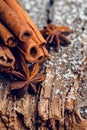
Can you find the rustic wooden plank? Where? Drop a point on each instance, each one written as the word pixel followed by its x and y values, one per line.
pixel 63 95
pixel 66 75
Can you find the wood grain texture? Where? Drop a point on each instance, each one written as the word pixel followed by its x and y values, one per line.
pixel 62 101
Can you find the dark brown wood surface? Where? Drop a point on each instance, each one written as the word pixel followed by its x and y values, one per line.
pixel 62 101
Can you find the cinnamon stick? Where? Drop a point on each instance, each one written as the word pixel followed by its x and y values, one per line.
pixel 37 37
pixel 31 51
pixel 13 22
pixel 7 36
pixel 7 59
pixel 45 51
pixel 41 55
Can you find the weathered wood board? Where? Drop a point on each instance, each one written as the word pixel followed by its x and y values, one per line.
pixel 62 102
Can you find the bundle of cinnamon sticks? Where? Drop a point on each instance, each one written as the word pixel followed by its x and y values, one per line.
pixel 17 30
pixel 21 42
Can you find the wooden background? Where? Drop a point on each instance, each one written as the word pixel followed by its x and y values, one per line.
pixel 62 101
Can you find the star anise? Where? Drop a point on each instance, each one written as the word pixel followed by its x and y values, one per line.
pixel 56 35
pixel 27 79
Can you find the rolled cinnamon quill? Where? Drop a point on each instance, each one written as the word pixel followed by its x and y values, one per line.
pixel 31 51
pixel 45 51
pixel 7 59
pixel 37 37
pixel 41 55
pixel 13 22
pixel 7 36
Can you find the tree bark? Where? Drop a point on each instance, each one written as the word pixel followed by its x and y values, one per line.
pixel 62 101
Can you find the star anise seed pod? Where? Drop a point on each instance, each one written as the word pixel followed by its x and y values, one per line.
pixel 56 35
pixel 28 79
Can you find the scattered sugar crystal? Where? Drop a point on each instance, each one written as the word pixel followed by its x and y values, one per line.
pixel 86 110
pixel 56 91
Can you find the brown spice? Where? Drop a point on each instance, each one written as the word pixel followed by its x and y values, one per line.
pixel 7 36
pixel 7 59
pixel 54 35
pixel 14 23
pixel 37 37
pixel 31 51
pixel 26 78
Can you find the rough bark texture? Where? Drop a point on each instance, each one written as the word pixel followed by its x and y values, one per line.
pixel 62 101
